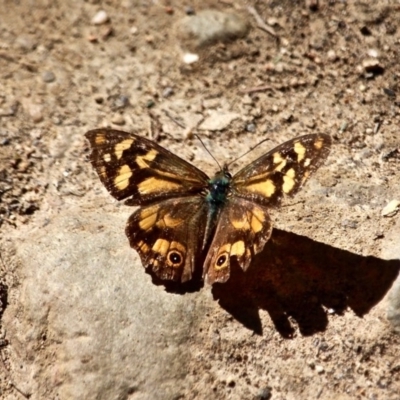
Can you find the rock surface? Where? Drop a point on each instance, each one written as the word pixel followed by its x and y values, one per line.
pixel 104 328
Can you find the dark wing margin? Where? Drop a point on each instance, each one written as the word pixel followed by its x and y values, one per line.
pixel 243 229
pixel 169 235
pixel 283 170
pixel 135 168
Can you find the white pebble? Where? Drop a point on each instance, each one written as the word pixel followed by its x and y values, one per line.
pixel 391 208
pixel 319 369
pixel 373 53
pixel 101 17
pixel 190 58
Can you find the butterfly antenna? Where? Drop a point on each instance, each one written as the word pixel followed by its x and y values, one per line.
pixel 198 137
pixel 248 151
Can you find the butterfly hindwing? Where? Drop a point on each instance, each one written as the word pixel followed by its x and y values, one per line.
pixel 242 230
pixel 282 171
pixel 168 236
pixel 131 166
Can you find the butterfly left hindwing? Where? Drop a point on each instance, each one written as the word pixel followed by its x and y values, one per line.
pixel 186 217
pixel 242 231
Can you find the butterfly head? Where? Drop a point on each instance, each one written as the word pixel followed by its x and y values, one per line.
pixel 219 187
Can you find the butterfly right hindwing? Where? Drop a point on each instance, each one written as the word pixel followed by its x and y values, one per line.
pixel 168 236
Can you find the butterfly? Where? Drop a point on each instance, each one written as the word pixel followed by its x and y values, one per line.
pixel 188 220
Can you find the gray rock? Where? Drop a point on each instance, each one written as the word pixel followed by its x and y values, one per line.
pixel 48 76
pixel 87 303
pixel 210 26
pixel 391 250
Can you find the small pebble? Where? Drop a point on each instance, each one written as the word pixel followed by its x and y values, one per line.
pixel 35 111
pixel 389 92
pixel 100 18
pixel 190 58
pixel 319 369
pixel 23 166
pixel 121 102
pixel 150 103
pixel 362 88
pixel 167 92
pixel 189 10
pixel 251 127
pixel 264 393
pixel 347 223
pixel 332 55
pixel 367 153
pixel 48 76
pixel 247 100
pixel 391 208
pixel 343 126
pixel 118 119
pixel 56 120
pixel 373 53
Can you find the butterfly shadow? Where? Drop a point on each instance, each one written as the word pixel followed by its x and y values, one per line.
pixel 298 279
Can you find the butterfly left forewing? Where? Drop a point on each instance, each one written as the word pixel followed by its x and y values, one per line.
pixel 131 166
pixel 243 229
pixel 282 171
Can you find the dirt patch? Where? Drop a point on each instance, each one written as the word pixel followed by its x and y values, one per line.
pixel 331 67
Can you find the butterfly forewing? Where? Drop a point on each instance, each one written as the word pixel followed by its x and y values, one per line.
pixel 166 236
pixel 134 167
pixel 282 171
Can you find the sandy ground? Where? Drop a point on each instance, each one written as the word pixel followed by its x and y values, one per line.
pixel 324 66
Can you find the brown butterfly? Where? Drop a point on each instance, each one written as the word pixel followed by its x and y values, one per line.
pixel 187 220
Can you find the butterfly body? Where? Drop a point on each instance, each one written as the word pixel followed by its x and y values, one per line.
pixel 218 188
pixel 187 220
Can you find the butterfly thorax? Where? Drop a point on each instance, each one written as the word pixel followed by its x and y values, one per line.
pixel 219 187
